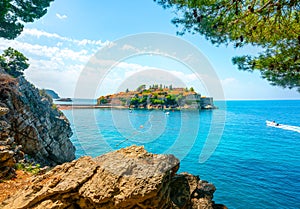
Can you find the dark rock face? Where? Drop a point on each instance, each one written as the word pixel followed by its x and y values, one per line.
pixel 33 123
pixel 188 191
pixel 127 178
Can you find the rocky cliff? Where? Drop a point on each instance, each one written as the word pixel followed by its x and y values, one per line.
pixel 31 124
pixel 127 178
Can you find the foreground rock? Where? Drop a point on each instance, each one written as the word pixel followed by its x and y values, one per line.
pixel 30 124
pixel 127 178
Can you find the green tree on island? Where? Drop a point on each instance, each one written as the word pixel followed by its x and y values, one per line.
pixel 14 13
pixel 102 100
pixel 13 62
pixel 134 101
pixel 272 25
pixel 141 88
pixel 170 100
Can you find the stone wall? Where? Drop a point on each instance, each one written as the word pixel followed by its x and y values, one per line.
pixel 207 103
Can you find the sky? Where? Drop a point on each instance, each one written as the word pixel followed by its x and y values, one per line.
pixel 61 45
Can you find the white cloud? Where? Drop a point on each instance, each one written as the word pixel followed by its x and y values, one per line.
pixel 125 70
pixel 43 51
pixel 130 75
pixel 127 47
pixel 56 62
pixel 55 75
pixel 90 42
pixel 187 78
pixel 228 81
pixel 39 33
pixel 59 16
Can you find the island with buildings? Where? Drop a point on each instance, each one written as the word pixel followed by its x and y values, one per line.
pixel 157 97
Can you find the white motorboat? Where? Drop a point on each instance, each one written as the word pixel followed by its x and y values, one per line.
pixel 272 123
pixel 282 126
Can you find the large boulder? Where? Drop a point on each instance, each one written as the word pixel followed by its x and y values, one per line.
pixel 127 178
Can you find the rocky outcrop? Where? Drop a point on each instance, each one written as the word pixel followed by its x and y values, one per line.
pixel 127 178
pixel 32 123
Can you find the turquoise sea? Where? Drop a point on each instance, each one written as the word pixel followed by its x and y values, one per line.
pixel 253 165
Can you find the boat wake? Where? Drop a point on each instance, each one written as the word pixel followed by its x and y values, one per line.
pixel 282 126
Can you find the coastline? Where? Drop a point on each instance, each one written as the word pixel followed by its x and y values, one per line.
pixel 85 106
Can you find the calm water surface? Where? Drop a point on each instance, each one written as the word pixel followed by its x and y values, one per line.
pixel 254 166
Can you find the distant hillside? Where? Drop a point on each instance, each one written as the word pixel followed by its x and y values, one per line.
pixel 158 97
pixel 52 94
